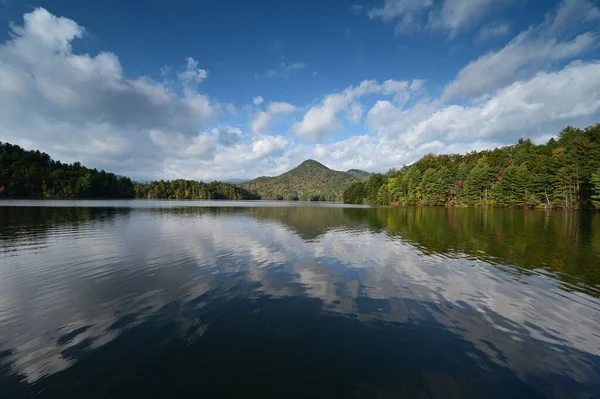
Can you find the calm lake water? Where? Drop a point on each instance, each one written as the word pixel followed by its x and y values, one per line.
pixel 240 299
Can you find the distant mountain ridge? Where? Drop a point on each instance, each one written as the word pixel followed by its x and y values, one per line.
pixel 359 174
pixel 311 180
pixel 237 181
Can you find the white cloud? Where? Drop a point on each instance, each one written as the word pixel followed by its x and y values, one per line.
pixel 398 135
pixel 571 15
pixel 228 135
pixel 491 31
pixel 529 51
pixel 190 75
pixel 528 108
pixel 80 107
pixel 285 70
pixel 45 87
pixel 322 119
pixel 411 14
pixel 449 16
pixel 165 70
pixel 83 108
pixel 355 113
pixel 456 15
pixel 262 121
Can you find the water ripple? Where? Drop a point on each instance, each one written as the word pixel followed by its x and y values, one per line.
pixel 344 286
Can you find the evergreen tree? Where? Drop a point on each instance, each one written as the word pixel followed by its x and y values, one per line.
pixel 33 174
pixel 477 185
pixel 560 174
pixel 596 189
pixel 355 193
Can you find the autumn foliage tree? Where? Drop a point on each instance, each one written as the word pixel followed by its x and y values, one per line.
pixel 563 173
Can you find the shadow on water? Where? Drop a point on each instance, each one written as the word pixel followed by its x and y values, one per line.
pixel 230 344
pixel 36 222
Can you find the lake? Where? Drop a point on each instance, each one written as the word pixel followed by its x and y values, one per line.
pixel 241 299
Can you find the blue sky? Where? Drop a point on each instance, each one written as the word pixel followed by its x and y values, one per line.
pixel 235 89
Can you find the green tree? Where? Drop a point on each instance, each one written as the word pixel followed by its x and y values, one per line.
pixel 355 193
pixel 513 187
pixel 596 189
pixel 383 195
pixel 34 174
pixel 372 186
pixel 477 185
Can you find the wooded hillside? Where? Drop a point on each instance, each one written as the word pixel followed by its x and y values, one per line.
pixel 310 180
pixel 563 173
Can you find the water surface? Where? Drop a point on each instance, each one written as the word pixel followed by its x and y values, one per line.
pixel 167 299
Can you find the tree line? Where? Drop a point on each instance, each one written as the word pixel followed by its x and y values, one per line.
pixel 563 173
pixel 33 174
pixel 191 189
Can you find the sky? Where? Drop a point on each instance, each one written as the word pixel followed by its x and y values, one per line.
pixel 236 89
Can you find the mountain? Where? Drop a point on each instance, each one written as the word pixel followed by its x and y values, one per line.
pixel 236 181
pixel 309 180
pixel 359 174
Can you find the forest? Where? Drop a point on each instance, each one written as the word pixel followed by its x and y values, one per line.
pixel 191 189
pixel 33 174
pixel 564 173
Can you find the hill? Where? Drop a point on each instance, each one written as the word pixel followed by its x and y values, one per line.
pixel 310 180
pixel 34 174
pixel 359 174
pixel 564 173
pixel 236 181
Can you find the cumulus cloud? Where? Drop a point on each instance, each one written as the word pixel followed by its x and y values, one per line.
pixel 322 119
pixel 245 158
pixel 228 135
pixel 528 108
pixel 67 103
pixel 190 75
pixel 529 51
pixel 262 121
pixel 81 107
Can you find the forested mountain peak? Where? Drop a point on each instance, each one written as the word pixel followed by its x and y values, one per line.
pixel 311 180
pixel 310 163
